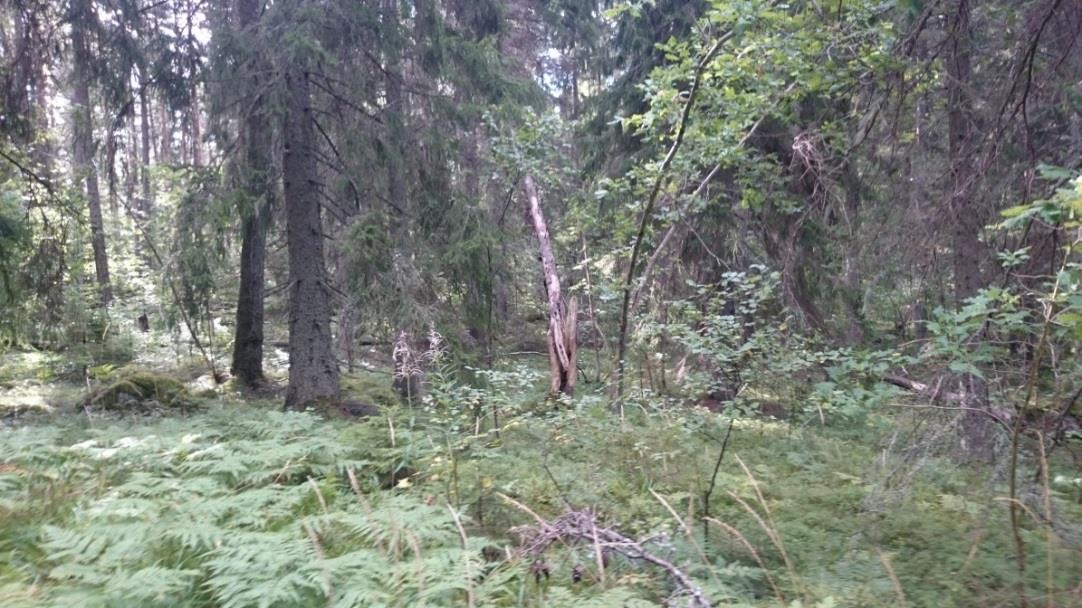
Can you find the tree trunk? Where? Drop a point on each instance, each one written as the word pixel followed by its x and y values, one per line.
pixel 165 132
pixel 562 321
pixel 964 212
pixel 83 144
pixel 247 363
pixel 248 340
pixel 978 432
pixel 396 188
pixel 313 369
pixel 196 131
pixel 131 161
pixel 145 201
pixel 110 168
pixel 851 279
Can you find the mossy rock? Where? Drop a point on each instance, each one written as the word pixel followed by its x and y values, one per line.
pixel 140 391
pixel 369 387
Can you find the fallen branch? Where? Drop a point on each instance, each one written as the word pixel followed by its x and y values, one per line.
pixel 583 526
pixel 935 393
pixel 938 397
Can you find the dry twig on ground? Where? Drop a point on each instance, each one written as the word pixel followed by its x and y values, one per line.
pixel 583 526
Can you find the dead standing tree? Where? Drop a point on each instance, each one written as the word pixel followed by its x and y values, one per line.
pixel 562 319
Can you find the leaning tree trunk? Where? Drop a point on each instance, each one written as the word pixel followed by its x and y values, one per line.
pixel 313 369
pixel 247 363
pixel 562 320
pixel 978 431
pixel 83 144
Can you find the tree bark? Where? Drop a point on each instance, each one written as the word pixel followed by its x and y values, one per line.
pixel 146 202
pixel 313 369
pixel 978 432
pixel 83 144
pixel 965 215
pixel 110 168
pixel 165 128
pixel 562 322
pixel 196 130
pixel 247 363
pixel 194 113
pixel 396 188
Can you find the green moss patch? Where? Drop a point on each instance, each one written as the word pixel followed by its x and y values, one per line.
pixel 140 391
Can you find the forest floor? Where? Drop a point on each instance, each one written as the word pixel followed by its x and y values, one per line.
pixel 235 503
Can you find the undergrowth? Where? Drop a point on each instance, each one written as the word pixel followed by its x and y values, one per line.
pixel 243 505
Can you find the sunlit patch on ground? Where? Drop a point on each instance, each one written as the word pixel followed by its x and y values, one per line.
pixel 30 383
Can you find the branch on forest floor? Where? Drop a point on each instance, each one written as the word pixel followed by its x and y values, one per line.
pixel 935 393
pixel 583 526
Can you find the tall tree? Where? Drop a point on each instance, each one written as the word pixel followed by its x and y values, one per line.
pixel 966 217
pixel 965 214
pixel 313 368
pixel 257 168
pixel 81 16
pixel 146 200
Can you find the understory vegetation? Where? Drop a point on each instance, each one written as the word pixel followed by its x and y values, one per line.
pixel 242 504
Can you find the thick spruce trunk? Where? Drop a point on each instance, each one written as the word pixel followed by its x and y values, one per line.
pixel 313 368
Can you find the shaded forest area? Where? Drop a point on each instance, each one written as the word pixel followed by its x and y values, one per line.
pixel 555 303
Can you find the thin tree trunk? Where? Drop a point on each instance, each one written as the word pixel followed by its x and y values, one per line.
pixel 851 279
pixel 648 212
pixel 562 321
pixel 44 152
pixel 146 203
pixel 396 188
pixel 110 169
pixel 978 433
pixel 313 369
pixel 83 145
pixel 247 363
pixel 165 128
pixel 194 114
pixel 965 214
pixel 131 161
pixel 196 134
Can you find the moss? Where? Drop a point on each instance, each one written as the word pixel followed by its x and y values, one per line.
pixel 369 387
pixel 135 390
